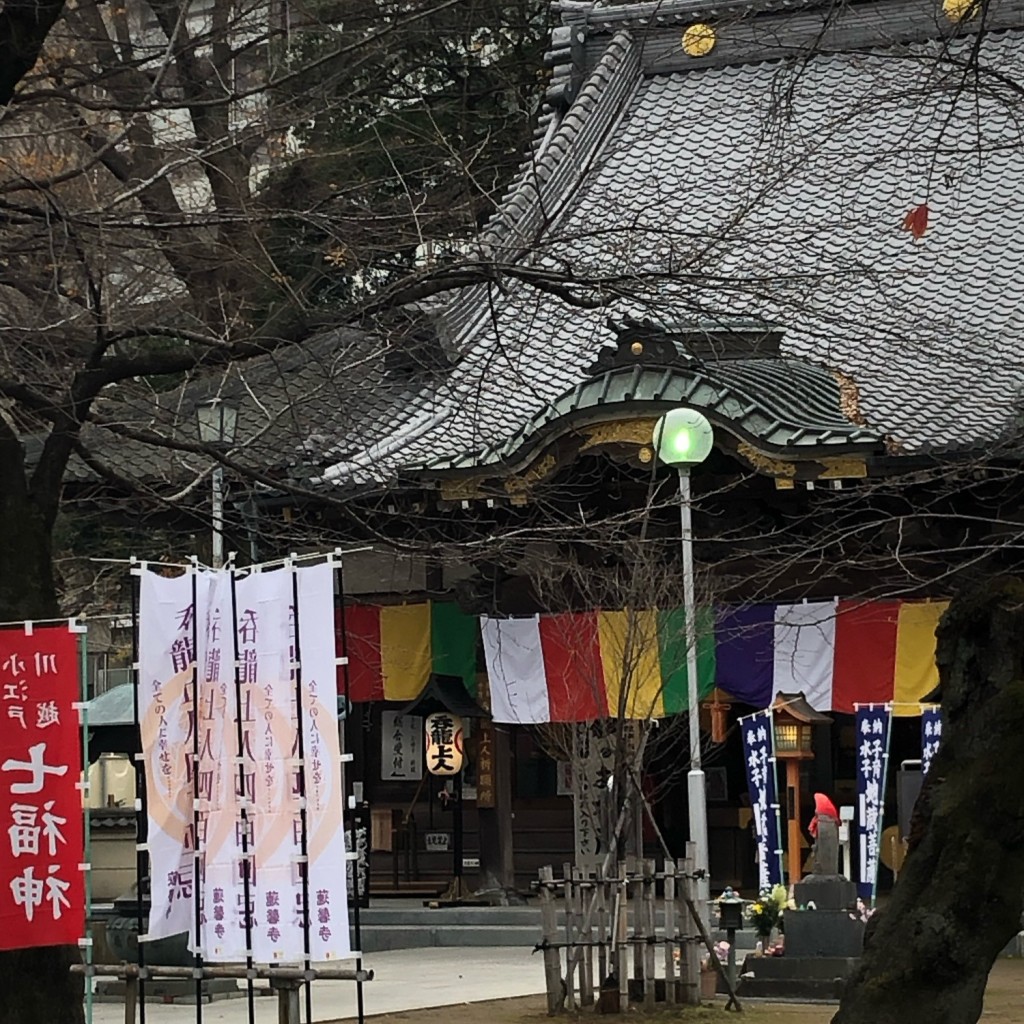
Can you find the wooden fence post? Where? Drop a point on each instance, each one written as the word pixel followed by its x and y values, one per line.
pixel 131 997
pixel 622 932
pixel 287 999
pixel 689 955
pixel 650 931
pixel 586 938
pixel 671 944
pixel 602 926
pixel 569 892
pixel 549 924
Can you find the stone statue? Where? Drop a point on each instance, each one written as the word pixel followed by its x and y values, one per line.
pixel 824 829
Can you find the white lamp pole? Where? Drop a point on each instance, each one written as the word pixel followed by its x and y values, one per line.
pixel 217 419
pixel 684 438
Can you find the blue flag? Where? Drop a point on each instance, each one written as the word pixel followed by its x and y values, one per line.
pixel 874 727
pixel 931 736
pixel 759 756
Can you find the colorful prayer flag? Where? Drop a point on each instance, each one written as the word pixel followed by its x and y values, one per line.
pixel 915 673
pixel 865 653
pixel 805 649
pixel 394 649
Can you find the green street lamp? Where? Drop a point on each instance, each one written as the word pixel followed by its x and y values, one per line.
pixel 684 438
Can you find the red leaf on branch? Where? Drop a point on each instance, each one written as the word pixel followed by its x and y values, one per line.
pixel 916 221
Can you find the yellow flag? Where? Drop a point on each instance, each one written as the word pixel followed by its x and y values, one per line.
pixel 631 663
pixel 916 673
pixel 405 650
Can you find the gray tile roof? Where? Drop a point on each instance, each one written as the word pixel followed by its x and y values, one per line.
pixel 771 190
pixel 290 403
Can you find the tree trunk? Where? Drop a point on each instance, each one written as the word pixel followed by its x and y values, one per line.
pixel 958 902
pixel 38 987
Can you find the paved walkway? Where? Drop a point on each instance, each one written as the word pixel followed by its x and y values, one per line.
pixel 404 979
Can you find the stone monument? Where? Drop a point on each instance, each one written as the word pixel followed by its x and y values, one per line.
pixel 823 937
pixel 821 925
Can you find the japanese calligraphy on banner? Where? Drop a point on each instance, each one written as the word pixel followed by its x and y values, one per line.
pixel 931 736
pixel 401 746
pixel 759 755
pixel 325 844
pixel 42 891
pixel 219 786
pixel 263 604
pixel 874 723
pixel 256 775
pixel 166 656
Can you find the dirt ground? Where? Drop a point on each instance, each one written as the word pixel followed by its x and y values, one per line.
pixel 1004 1004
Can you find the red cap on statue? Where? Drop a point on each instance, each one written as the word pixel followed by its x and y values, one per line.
pixel 823 808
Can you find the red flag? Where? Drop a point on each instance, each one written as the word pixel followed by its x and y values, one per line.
pixel 916 221
pixel 42 891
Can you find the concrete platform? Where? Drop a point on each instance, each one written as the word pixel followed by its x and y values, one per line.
pixel 795 978
pixel 407 924
pixel 404 980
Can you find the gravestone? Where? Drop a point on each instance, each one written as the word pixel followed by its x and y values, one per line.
pixel 821 925
pixel 822 939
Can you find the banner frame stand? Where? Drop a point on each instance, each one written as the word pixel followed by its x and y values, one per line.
pixel 86 943
pixel 285 978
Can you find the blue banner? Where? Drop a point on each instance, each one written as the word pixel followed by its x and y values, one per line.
pixel 874 727
pixel 931 736
pixel 759 755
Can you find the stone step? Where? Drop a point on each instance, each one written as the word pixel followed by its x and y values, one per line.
pixel 377 938
pixel 414 928
pixel 428 917
pixel 815 968
pixel 795 989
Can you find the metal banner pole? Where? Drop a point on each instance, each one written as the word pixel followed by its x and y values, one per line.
pixel 350 802
pixel 301 778
pixel 243 802
pixel 197 858
pixel 86 943
pixel 141 818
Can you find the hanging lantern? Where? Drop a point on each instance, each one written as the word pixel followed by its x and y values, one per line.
pixel 719 706
pixel 444 743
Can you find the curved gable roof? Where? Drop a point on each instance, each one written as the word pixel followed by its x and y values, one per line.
pixel 777 190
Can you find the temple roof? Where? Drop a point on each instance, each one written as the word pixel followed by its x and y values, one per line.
pixel 767 179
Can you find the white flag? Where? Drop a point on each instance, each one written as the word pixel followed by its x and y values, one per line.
pixel 166 663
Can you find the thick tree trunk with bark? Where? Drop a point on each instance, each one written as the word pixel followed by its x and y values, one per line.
pixel 958 902
pixel 38 987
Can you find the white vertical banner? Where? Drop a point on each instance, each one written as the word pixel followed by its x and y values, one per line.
pixel 515 670
pixel 804 651
pixel 223 919
pixel 262 613
pixel 325 833
pixel 166 659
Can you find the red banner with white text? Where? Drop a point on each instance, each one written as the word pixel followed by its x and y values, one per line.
pixel 42 891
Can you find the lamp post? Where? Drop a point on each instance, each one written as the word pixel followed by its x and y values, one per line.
pixel 684 438
pixel 794 722
pixel 217 419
